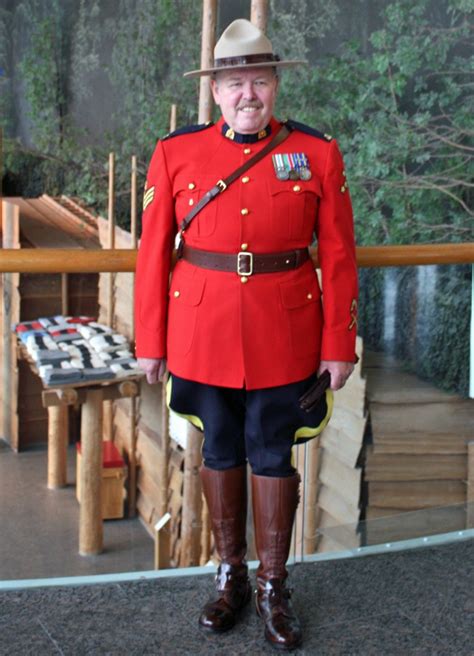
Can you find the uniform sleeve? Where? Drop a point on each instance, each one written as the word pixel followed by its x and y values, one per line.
pixel 336 251
pixel 154 260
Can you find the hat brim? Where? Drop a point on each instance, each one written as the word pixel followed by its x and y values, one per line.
pixel 276 64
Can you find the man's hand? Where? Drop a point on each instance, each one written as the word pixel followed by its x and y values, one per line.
pixel 340 372
pixel 154 368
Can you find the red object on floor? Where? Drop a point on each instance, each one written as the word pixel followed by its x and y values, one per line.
pixel 110 455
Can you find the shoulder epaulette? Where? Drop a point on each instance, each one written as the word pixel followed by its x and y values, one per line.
pixel 188 129
pixel 294 125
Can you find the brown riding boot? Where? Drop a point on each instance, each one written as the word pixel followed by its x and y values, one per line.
pixel 226 496
pixel 274 506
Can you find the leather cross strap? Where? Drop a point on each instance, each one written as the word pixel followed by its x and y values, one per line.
pixel 246 263
pixel 221 185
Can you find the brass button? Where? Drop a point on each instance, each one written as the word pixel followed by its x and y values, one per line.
pixel 247 151
pixel 296 188
pixel 243 247
pixel 191 201
pixel 244 211
pixel 191 186
pixel 176 294
pixel 344 173
pixel 245 179
pixel 244 279
pixel 309 296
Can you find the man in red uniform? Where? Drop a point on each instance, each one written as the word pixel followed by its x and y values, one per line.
pixel 243 327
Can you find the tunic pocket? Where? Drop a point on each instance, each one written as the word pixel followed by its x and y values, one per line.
pixel 185 297
pixel 188 190
pixel 294 205
pixel 301 301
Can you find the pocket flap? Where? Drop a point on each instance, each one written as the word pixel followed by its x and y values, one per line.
pixel 295 187
pixel 187 290
pixel 299 293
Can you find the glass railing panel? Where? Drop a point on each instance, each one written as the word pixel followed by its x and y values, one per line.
pixel 419 526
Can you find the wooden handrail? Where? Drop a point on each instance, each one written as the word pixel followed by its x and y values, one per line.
pixel 59 260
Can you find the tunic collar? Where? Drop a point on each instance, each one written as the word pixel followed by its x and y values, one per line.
pixel 231 134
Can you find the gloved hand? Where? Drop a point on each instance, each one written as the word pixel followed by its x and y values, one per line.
pixel 155 368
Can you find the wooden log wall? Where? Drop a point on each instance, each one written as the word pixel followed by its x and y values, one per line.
pixel 154 495
pixel 418 458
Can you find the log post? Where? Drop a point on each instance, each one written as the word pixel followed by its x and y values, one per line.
pixel 173 114
pixel 108 409
pixel 64 294
pixel 10 314
pixel 57 446
pixel 310 537
pixel 259 14
pixel 90 516
pixel 205 534
pixel 191 520
pixel 209 16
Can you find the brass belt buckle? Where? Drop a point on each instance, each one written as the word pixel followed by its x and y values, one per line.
pixel 242 263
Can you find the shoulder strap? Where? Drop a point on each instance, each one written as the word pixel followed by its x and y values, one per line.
pixel 221 185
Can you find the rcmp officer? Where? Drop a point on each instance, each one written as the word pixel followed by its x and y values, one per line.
pixel 242 327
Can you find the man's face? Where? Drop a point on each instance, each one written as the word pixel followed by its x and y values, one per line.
pixel 246 97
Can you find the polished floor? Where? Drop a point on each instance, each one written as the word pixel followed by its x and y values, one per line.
pixel 39 527
pixel 418 602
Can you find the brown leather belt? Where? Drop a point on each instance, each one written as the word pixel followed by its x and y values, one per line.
pixel 246 263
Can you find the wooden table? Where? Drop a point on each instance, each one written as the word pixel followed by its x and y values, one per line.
pixel 91 395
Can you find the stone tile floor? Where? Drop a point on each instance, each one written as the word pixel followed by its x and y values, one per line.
pixel 419 602
pixel 39 528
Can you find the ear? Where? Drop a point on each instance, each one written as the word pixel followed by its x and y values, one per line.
pixel 215 91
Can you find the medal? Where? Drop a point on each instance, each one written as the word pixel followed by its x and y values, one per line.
pixel 305 174
pixel 279 166
pixel 303 167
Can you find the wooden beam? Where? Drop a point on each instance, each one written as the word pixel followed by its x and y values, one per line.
pixel 78 396
pixel 57 260
pixel 259 13
pixel 209 16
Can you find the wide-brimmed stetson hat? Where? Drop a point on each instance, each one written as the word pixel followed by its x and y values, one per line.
pixel 243 45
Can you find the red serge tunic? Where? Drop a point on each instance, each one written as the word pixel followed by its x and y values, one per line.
pixel 275 328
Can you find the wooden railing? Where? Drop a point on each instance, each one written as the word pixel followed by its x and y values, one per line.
pixel 56 260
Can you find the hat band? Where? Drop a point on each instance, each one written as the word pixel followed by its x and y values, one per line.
pixel 244 60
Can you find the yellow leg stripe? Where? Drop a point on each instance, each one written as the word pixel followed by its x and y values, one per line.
pixel 308 432
pixel 195 421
